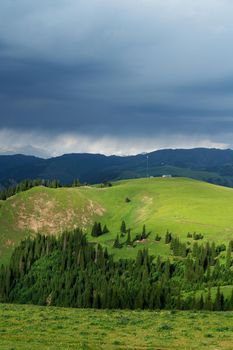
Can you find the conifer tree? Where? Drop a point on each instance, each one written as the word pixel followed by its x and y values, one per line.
pixel 94 230
pixel 76 183
pixel 168 237
pixel 117 243
pixel 201 303
pixel 144 236
pixel 99 229
pixel 105 229
pixel 123 227
pixel 208 301
pixel 218 300
pixel 128 241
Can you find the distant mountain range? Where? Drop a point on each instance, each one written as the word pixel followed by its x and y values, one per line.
pixel 212 165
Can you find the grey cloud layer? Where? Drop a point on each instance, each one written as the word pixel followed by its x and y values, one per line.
pixel 119 68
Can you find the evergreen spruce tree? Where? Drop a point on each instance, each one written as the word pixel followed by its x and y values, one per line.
pixel 144 235
pixel 139 259
pixel 117 243
pixel 123 227
pixel 76 183
pixel 217 302
pixel 99 229
pixel 167 271
pixel 208 305
pixel 94 231
pixel 96 300
pixel 139 300
pixel 168 237
pixel 105 229
pixel 128 241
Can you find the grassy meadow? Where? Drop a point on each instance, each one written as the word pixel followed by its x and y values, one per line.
pixel 24 327
pixel 178 204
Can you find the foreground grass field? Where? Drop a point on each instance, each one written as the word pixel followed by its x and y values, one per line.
pixel 178 204
pixel 32 327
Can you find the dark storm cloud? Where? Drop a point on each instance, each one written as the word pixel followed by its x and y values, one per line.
pixel 44 79
pixel 120 69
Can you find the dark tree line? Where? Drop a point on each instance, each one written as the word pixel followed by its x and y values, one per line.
pixel 27 185
pixel 70 271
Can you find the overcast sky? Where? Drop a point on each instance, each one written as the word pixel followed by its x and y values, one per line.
pixel 115 77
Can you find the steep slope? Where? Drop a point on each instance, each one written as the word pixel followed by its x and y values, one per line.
pixel 178 204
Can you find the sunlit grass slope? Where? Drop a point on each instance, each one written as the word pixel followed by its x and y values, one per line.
pixel 178 204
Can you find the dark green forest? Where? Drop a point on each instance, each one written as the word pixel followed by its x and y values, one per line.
pixel 71 272
pixel 27 184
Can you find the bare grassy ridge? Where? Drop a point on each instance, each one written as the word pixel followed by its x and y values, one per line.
pixel 32 327
pixel 178 204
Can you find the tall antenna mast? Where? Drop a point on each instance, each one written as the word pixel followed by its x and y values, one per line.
pixel 147 166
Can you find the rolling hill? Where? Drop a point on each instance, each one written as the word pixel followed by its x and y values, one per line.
pixel 179 204
pixel 211 165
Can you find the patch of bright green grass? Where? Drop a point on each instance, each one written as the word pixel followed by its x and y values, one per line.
pixel 226 290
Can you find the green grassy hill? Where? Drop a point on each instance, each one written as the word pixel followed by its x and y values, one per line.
pixel 178 204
